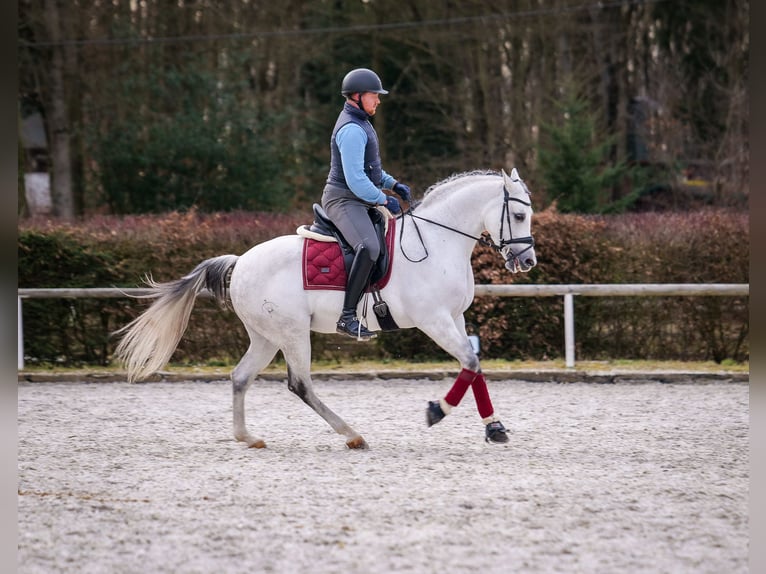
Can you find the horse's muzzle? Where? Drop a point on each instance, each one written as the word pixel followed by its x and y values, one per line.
pixel 519 254
pixel 523 263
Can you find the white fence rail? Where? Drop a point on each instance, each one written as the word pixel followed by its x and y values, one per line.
pixel 567 291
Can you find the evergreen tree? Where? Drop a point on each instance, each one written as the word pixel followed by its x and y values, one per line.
pixel 573 159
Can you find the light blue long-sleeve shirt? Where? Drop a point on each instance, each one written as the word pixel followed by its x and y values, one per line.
pixel 351 141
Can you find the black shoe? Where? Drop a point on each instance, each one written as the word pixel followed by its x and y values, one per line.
pixel 353 328
pixel 434 413
pixel 495 432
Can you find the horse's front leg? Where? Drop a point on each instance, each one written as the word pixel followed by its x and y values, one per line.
pixel 451 336
pixel 300 384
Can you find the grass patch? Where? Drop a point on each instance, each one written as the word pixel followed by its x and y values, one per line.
pixel 278 366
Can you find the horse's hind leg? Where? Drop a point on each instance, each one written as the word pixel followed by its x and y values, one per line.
pixel 298 358
pixel 258 356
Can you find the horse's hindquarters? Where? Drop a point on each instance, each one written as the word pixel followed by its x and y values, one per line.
pixel 267 292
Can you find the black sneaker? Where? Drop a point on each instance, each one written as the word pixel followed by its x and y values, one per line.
pixel 354 328
pixel 495 432
pixel 434 413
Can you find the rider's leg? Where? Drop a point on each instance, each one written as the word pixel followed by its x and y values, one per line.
pixel 353 219
pixel 358 277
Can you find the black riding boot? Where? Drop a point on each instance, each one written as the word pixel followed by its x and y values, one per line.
pixel 358 276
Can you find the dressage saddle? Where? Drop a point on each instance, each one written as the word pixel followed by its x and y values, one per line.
pixel 322 225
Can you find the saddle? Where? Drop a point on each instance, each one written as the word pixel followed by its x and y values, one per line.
pixel 327 258
pixel 323 230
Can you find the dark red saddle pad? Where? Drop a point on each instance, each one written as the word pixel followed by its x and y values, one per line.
pixel 323 266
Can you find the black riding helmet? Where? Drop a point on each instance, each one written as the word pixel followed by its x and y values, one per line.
pixel 361 80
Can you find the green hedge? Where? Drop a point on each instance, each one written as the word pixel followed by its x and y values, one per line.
pixel 710 246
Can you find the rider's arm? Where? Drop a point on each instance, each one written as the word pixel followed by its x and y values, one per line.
pixel 351 141
pixel 388 180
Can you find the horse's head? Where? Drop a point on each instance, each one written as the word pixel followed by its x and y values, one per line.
pixel 510 224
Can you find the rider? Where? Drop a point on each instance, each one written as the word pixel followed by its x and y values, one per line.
pixel 354 186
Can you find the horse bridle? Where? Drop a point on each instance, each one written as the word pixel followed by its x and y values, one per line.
pixel 505 217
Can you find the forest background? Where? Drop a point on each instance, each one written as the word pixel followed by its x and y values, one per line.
pixel 607 109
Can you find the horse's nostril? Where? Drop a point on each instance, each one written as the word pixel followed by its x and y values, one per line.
pixel 530 262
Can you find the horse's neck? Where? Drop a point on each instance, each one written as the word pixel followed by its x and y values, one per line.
pixel 460 207
pixel 457 213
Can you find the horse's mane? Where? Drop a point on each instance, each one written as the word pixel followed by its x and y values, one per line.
pixel 445 184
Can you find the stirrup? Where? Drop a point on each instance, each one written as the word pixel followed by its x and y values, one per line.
pixel 434 413
pixel 495 432
pixel 355 329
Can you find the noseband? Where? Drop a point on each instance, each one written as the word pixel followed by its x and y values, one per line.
pixel 505 217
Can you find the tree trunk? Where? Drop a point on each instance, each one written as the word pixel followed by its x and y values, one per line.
pixel 61 177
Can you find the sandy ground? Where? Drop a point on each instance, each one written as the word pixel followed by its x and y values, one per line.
pixel 146 478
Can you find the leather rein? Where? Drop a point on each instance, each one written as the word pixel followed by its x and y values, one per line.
pixel 483 239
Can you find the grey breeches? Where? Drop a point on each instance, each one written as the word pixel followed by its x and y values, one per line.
pixel 351 217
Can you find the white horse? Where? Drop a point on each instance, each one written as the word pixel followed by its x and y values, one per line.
pixel 430 287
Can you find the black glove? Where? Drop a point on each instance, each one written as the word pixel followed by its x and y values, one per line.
pixel 392 204
pixel 402 191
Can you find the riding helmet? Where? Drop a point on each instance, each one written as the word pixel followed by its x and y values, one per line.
pixel 361 80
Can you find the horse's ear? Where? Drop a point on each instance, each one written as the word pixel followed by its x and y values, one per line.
pixel 514 175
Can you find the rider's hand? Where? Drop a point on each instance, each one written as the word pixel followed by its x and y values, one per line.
pixel 402 191
pixel 392 204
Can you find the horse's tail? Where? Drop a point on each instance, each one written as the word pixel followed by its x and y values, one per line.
pixel 150 339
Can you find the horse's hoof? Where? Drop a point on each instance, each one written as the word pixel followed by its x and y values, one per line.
pixel 496 432
pixel 434 413
pixel 357 443
pixel 257 444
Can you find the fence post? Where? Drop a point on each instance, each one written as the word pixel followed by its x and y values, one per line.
pixel 20 344
pixel 569 343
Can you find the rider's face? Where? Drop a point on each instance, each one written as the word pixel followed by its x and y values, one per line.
pixel 370 102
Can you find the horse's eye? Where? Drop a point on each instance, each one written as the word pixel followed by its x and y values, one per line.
pixel 519 217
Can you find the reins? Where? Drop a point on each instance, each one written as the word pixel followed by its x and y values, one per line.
pixel 483 239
